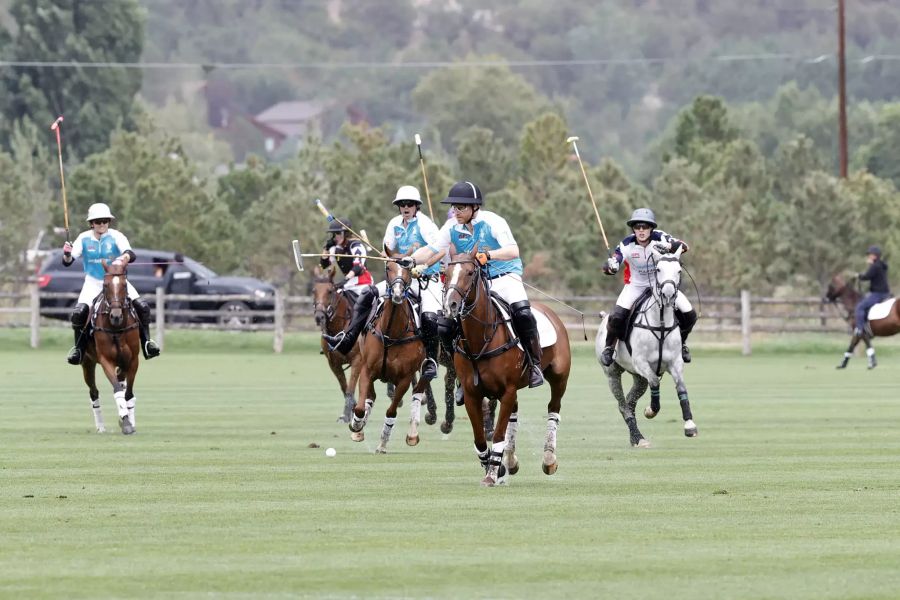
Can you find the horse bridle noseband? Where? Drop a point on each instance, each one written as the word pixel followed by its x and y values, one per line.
pixel 465 309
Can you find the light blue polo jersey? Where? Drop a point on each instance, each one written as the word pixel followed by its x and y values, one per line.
pixel 110 245
pixel 420 231
pixel 490 231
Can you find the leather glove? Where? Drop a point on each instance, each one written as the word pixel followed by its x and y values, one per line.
pixel 67 249
pixel 483 258
pixel 612 266
pixel 407 262
pixel 418 271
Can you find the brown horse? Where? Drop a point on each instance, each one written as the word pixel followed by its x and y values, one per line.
pixel 391 351
pixel 840 289
pixel 332 313
pixel 115 345
pixel 490 364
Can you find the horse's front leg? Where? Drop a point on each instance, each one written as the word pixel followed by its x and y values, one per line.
pixel 89 367
pixel 364 401
pixel 112 374
pixel 130 376
pixel 642 367
pixel 496 472
pixel 390 415
pixel 449 408
pixel 473 399
pixel 626 408
pixel 870 351
pixel 849 352
pixel 676 371
pixel 512 430
pixel 335 363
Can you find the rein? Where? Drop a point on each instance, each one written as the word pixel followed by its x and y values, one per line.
pixel 406 305
pixel 661 331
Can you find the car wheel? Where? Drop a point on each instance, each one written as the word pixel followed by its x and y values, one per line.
pixel 234 315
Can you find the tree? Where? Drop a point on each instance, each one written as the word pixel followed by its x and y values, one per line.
pixel 484 159
pixel 880 155
pixel 95 101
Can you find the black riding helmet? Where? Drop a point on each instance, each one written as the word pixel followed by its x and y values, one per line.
pixel 336 227
pixel 464 192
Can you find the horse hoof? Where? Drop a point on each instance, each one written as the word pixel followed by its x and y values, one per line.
pixel 412 441
pixel 101 430
pixel 430 418
pixel 488 481
pixel 446 427
pixel 126 426
pixel 514 468
pixel 649 413
pixel 380 450
pixel 642 443
pixel 690 430
pixel 550 469
pixel 357 436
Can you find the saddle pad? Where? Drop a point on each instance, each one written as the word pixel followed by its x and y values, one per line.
pixel 376 310
pixel 881 310
pixel 546 331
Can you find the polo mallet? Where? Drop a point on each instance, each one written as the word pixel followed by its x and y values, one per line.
pixel 331 218
pixel 298 255
pixel 424 176
pixel 62 178
pixel 572 140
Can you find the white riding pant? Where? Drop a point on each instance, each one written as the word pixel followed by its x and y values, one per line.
pixel 509 287
pixel 431 297
pixel 630 293
pixel 94 287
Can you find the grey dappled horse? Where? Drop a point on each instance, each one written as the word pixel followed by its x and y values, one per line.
pixel 655 349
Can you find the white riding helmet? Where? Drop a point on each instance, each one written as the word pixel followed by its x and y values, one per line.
pixel 408 192
pixel 99 211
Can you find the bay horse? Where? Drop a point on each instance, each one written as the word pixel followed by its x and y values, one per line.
pixel 490 364
pixel 115 345
pixel 840 289
pixel 653 348
pixel 332 311
pixel 392 351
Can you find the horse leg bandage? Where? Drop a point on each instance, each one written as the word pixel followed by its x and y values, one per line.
pixel 120 404
pixel 129 404
pixel 552 427
pixel 387 429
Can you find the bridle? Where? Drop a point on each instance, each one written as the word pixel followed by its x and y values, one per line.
pixel 397 279
pixel 661 284
pixel 115 304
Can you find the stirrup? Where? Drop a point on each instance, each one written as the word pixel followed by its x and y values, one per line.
pixel 334 340
pixel 151 349
pixel 685 353
pixel 429 369
pixel 606 357
pixel 75 356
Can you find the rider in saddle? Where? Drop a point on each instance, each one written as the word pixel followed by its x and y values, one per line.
pixel 879 291
pixel 497 252
pixel 342 241
pixel 635 252
pixel 405 233
pixel 98 243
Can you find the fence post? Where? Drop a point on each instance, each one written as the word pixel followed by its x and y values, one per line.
pixel 745 321
pixel 278 342
pixel 35 314
pixel 161 317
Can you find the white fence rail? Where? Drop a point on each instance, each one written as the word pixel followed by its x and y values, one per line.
pixel 743 314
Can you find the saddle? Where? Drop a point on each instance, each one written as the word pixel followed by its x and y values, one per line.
pixel 351 296
pixel 546 331
pixel 378 307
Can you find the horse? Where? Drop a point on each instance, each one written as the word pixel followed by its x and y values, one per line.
pixel 392 351
pixel 115 345
pixel 332 313
pixel 886 324
pixel 653 347
pixel 491 365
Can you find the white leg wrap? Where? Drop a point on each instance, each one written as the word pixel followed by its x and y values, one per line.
pixel 120 404
pixel 387 429
pixel 98 417
pixel 512 429
pixel 870 351
pixel 552 427
pixel 415 409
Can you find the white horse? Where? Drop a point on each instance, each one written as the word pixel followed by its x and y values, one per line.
pixel 655 348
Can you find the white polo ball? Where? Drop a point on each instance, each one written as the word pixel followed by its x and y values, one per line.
pixel 330 452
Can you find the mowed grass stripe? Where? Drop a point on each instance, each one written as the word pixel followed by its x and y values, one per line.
pixel 789 491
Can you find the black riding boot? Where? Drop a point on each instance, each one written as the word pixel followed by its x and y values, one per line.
pixel 526 327
pixel 79 320
pixel 148 346
pixel 615 330
pixel 685 325
pixel 344 340
pixel 431 341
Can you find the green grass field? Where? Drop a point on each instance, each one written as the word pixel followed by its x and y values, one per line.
pixel 790 491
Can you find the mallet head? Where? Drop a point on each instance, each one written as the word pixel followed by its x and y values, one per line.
pixel 56 123
pixel 572 139
pixel 418 140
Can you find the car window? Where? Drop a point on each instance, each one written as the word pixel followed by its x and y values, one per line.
pixel 140 269
pixel 202 271
pixel 54 263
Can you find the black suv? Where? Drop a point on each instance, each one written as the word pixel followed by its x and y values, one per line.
pixel 176 274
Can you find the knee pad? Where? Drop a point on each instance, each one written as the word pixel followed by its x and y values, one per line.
pixel 142 309
pixel 686 320
pixel 80 315
pixel 522 309
pixel 447 328
pixel 618 320
pixel 430 325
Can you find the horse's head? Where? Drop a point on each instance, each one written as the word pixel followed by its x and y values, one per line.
pixel 837 287
pixel 462 274
pixel 398 279
pixel 324 295
pixel 115 291
pixel 668 275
